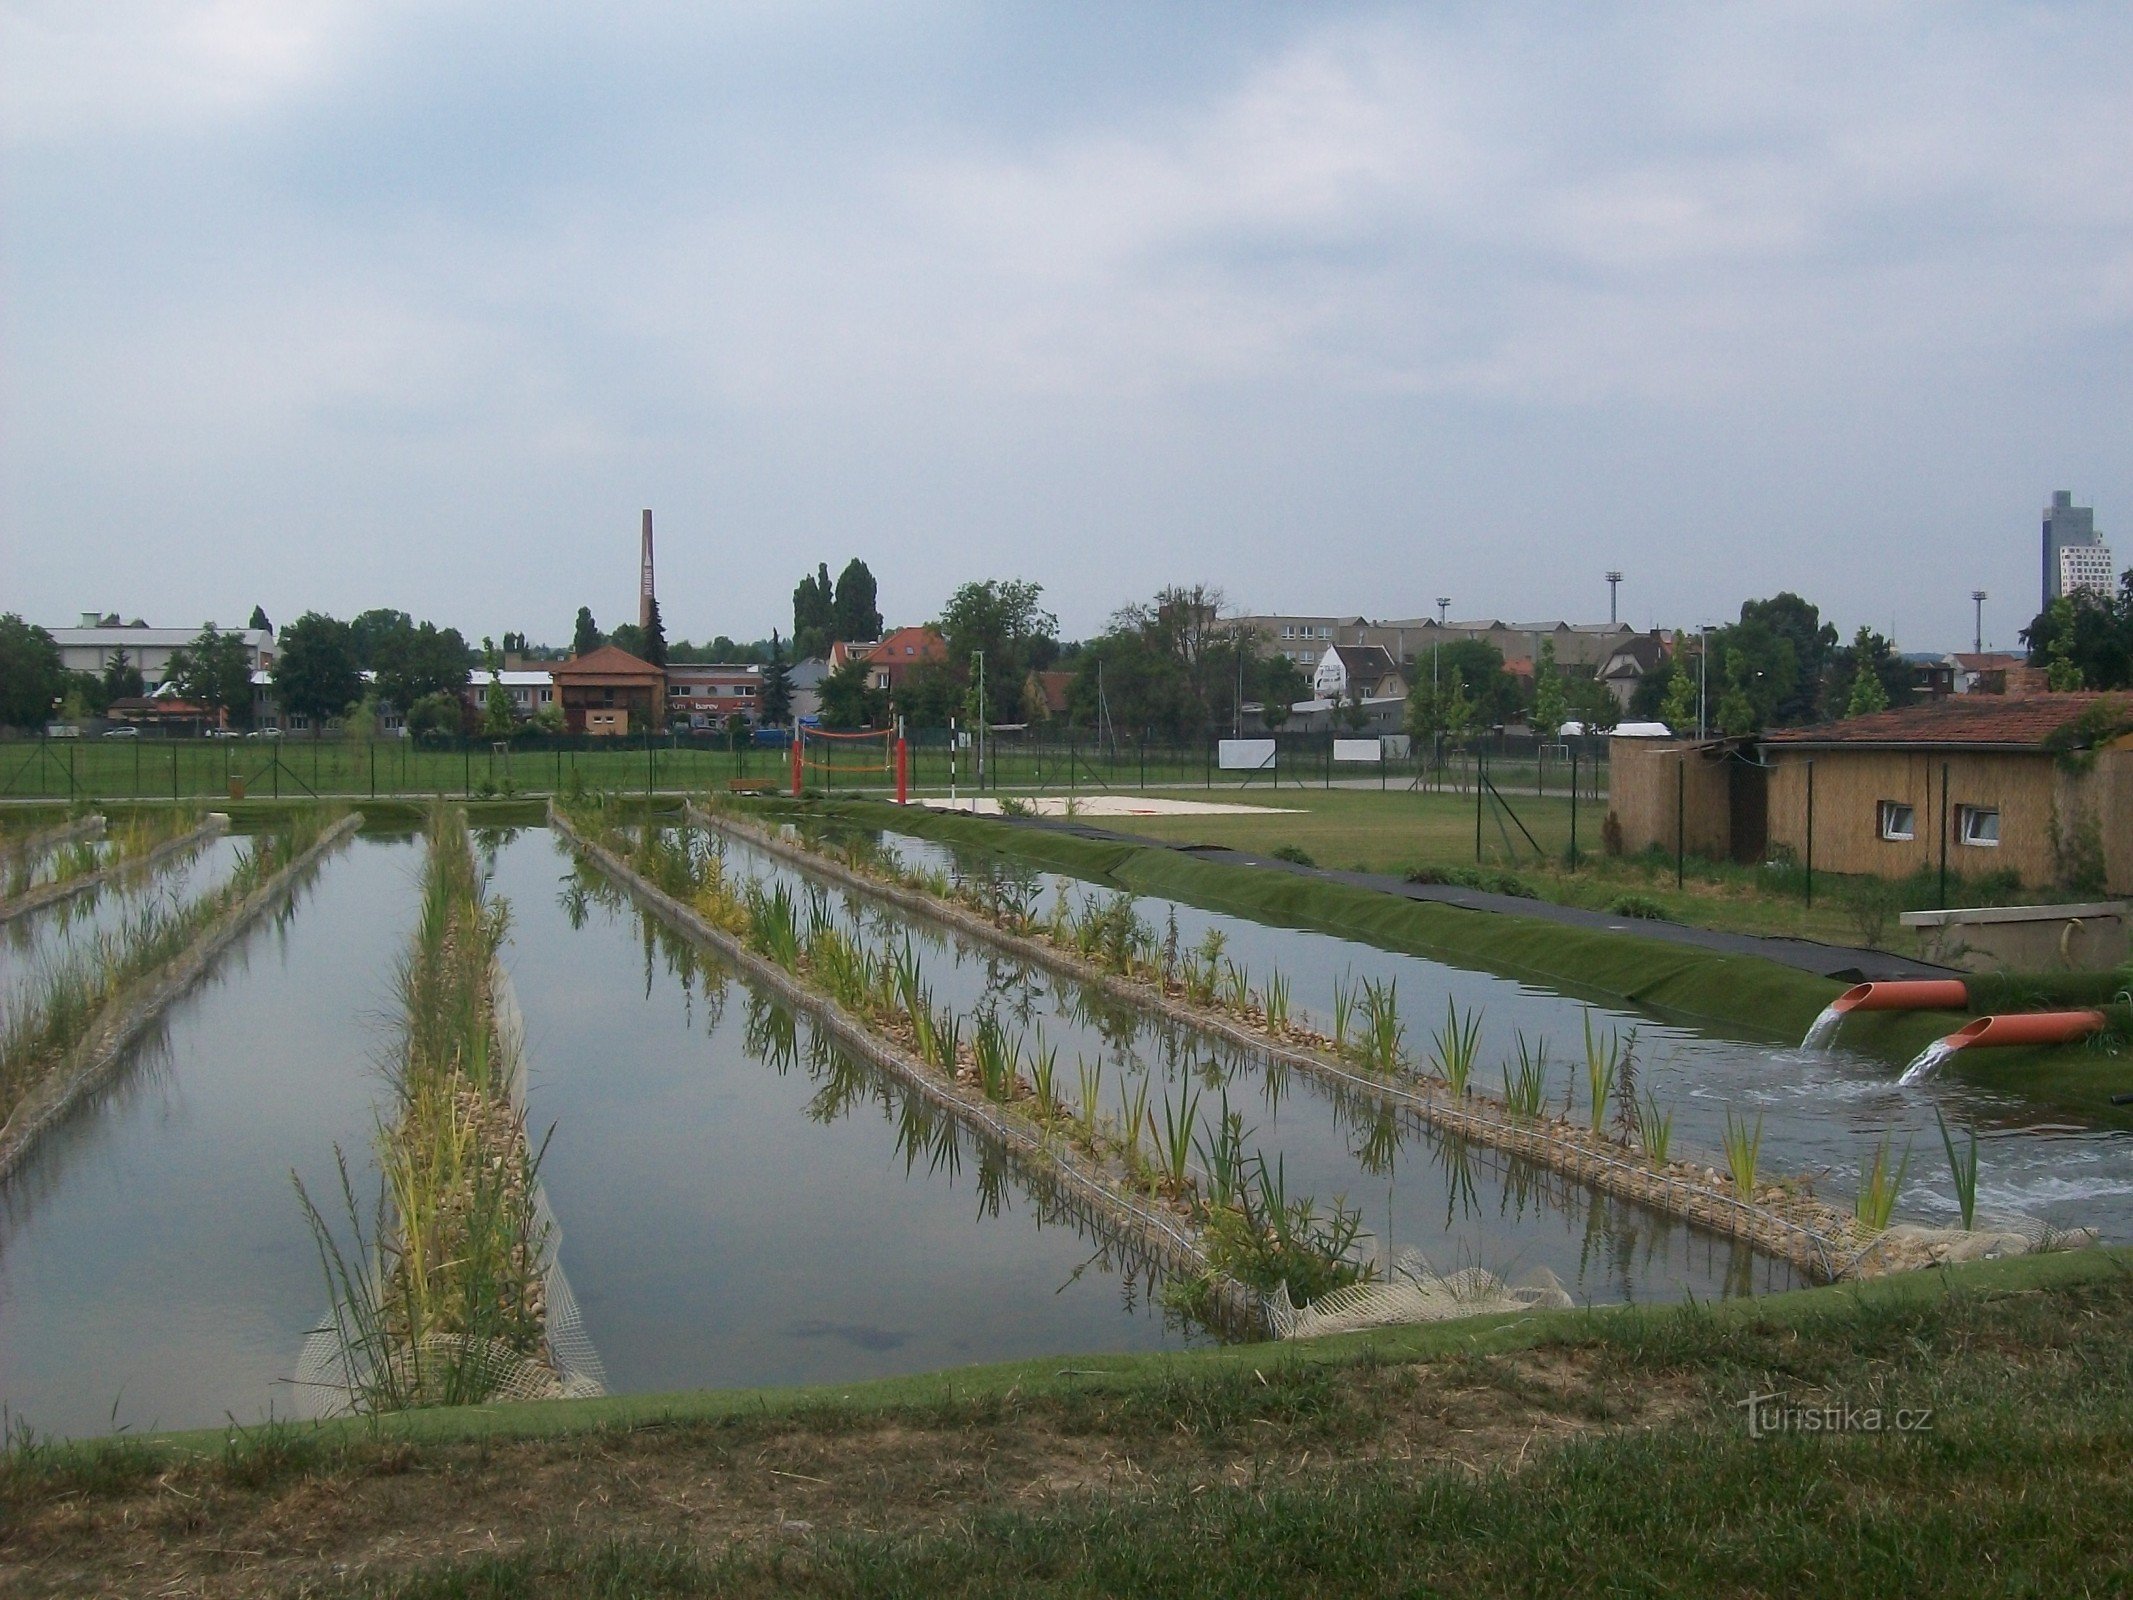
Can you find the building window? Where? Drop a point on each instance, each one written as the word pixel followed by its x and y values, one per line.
pixel 1978 825
pixel 1897 820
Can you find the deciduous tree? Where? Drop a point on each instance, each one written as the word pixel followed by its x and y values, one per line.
pixel 315 674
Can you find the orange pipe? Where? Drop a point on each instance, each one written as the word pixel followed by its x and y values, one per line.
pixel 1910 994
pixel 2026 1027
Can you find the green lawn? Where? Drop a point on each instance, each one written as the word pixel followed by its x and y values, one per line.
pixel 1399 832
pixel 1948 1434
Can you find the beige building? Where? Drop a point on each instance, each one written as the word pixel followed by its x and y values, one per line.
pixel 2039 786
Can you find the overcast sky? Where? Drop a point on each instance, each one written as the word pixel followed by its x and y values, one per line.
pixel 1341 308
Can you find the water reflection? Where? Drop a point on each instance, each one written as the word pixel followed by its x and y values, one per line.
pixel 1338 1143
pixel 1824 1111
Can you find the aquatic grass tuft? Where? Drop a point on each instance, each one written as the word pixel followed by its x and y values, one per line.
pixel 1458 1042
pixel 1879 1186
pixel 1525 1086
pixel 1274 1003
pixel 1343 1014
pixel 1384 1034
pixel 1744 1149
pixel 1962 1169
pixel 1607 1058
pixel 1655 1129
pixel 1174 1146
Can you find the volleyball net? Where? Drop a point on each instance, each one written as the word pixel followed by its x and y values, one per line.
pixel 874 756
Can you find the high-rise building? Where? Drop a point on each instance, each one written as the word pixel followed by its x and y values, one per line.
pixel 2066 526
pixel 2087 566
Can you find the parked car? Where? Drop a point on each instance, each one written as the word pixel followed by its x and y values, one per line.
pixel 223 733
pixel 122 733
pixel 264 733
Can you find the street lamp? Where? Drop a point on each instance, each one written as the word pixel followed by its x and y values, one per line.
pixel 1978 597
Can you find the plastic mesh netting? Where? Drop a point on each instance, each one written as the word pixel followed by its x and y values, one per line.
pixel 1414 1291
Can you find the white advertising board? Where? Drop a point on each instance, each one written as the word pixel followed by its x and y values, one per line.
pixel 1358 750
pixel 1245 755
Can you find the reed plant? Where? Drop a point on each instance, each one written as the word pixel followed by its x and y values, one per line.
pixel 1091 1082
pixel 1343 1014
pixel 995 1054
pixel 1274 1243
pixel 1458 1042
pixel 1384 1034
pixel 1962 1170
pixel 774 925
pixel 1879 1186
pixel 1132 1118
pixel 1274 1004
pixel 1655 1129
pixel 1605 1059
pixel 1237 989
pixel 1525 1086
pixel 56 1006
pixel 1222 1155
pixel 457 1294
pixel 1744 1148
pixel 1174 1145
pixel 1044 1075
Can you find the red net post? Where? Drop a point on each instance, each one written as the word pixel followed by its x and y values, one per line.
pixel 903 772
pixel 798 733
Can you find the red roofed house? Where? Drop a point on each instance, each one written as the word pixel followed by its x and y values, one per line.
pixel 892 656
pixel 608 691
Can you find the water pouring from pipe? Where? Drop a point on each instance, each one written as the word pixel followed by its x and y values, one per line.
pixel 2010 1029
pixel 1909 994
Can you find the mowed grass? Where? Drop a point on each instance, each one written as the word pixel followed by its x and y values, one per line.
pixel 1567 1453
pixel 1398 832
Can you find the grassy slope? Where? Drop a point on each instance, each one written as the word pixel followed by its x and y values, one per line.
pixel 1528 1455
pixel 1740 993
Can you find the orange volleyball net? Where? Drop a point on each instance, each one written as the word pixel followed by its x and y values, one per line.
pixel 876 754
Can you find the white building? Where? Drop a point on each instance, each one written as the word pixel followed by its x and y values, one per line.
pixel 98 640
pixel 529 688
pixel 2086 566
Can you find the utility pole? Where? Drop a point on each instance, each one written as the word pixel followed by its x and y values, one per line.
pixel 1614 582
pixel 1978 597
pixel 977 658
pixel 1436 646
pixel 1703 678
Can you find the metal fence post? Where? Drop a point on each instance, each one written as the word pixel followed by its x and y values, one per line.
pixel 1944 766
pixel 1681 819
pixel 1810 835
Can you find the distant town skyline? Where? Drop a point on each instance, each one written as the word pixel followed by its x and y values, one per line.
pixel 334 306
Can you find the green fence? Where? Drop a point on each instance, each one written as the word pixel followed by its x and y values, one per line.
pixel 298 765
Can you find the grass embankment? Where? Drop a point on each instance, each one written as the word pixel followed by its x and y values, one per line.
pixel 1743 994
pixel 453 1311
pixel 1399 833
pixel 60 1003
pixel 1546 1454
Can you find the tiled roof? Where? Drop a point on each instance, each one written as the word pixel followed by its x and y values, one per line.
pixel 1993 721
pixel 609 661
